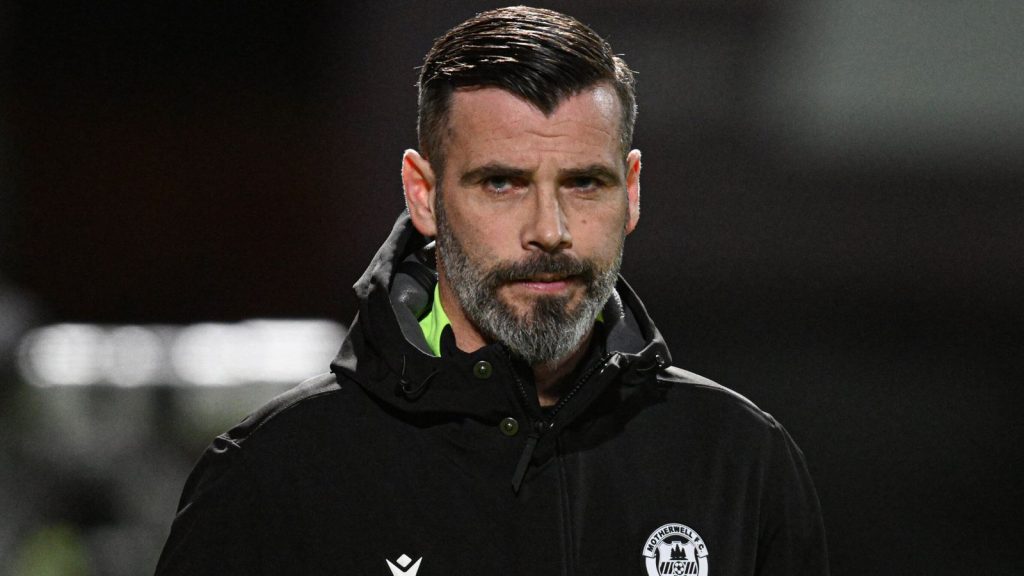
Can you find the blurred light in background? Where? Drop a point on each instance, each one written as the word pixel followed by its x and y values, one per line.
pixel 920 81
pixel 207 354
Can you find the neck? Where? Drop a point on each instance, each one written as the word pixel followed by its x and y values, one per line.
pixel 552 378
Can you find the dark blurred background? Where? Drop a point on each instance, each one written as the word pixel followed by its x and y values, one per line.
pixel 833 226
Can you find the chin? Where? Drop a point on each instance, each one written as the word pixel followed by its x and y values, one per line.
pixel 526 306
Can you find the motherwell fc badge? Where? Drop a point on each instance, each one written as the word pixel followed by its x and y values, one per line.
pixel 675 549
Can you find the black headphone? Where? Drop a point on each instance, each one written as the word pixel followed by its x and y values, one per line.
pixel 415 279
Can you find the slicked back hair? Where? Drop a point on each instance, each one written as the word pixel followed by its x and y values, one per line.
pixel 539 55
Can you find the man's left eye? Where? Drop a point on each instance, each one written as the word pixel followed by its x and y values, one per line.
pixel 584 183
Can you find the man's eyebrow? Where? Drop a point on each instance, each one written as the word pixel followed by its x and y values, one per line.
pixel 597 171
pixel 493 169
pixel 489 170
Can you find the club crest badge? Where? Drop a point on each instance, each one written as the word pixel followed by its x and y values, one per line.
pixel 675 549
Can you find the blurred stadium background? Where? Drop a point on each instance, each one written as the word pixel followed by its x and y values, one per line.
pixel 833 226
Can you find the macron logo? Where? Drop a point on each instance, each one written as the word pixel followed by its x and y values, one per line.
pixel 404 568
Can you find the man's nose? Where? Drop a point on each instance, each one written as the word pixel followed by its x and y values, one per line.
pixel 547 227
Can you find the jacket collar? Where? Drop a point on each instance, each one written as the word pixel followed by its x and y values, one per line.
pixel 386 353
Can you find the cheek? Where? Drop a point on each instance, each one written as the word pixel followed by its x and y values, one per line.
pixel 598 227
pixel 490 234
pixel 482 240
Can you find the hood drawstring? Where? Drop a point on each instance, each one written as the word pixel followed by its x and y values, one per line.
pixel 524 461
pixel 408 389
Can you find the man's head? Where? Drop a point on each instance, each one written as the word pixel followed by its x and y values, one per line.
pixel 537 197
pixel 539 55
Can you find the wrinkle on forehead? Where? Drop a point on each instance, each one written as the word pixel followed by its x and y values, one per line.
pixel 587 120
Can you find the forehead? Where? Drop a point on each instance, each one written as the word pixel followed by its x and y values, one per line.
pixel 491 124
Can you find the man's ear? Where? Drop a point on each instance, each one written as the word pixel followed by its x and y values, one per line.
pixel 633 189
pixel 420 186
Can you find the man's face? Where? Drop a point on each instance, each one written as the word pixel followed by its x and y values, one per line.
pixel 532 214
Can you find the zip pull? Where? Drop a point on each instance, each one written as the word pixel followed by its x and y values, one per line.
pixel 524 461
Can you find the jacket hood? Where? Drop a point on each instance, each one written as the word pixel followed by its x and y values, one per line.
pixel 386 353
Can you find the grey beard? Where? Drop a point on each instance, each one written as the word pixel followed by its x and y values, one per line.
pixel 550 331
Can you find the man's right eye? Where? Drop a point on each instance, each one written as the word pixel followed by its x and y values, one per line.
pixel 499 184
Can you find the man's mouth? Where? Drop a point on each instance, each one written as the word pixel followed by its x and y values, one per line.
pixel 546 278
pixel 546 283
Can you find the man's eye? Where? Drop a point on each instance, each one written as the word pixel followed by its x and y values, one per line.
pixel 499 184
pixel 584 183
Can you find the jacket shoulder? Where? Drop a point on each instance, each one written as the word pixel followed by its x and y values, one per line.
pixel 691 382
pixel 308 390
pixel 223 488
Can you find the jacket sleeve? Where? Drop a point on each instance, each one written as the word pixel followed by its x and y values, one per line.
pixel 792 534
pixel 213 530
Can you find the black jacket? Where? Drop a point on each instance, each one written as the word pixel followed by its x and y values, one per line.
pixel 400 462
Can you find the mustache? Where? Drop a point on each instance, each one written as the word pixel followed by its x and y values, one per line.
pixel 560 265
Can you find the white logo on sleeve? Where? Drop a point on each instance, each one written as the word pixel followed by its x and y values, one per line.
pixel 675 549
pixel 404 568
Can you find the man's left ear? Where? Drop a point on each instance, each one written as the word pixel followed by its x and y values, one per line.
pixel 633 189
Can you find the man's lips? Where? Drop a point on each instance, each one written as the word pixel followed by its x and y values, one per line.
pixel 546 282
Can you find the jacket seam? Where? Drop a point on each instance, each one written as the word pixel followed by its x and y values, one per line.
pixel 274 414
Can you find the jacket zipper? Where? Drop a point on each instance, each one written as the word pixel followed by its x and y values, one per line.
pixel 541 425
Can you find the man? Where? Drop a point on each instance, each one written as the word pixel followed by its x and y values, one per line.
pixel 513 410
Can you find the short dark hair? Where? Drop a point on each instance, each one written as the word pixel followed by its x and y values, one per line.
pixel 539 55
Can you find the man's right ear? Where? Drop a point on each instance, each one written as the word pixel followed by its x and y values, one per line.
pixel 420 188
